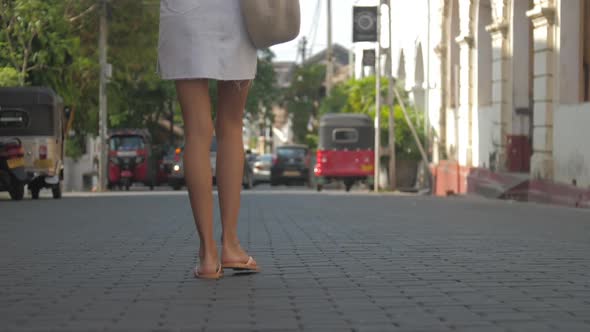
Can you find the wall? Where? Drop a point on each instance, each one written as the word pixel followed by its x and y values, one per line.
pixel 74 170
pixel 571 144
pixel 485 145
pixel 568 51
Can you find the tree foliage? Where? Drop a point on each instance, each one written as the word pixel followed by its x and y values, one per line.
pixel 9 77
pixel 54 43
pixel 45 42
pixel 303 99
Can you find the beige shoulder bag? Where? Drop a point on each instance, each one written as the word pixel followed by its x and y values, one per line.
pixel 271 22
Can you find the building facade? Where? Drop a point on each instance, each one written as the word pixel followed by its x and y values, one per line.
pixel 505 83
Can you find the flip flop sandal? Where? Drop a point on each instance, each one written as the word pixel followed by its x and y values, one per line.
pixel 249 266
pixel 218 274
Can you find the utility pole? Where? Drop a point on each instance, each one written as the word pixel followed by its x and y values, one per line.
pixel 303 49
pixel 102 98
pixel 378 102
pixel 171 110
pixel 329 52
pixel 390 99
pixel 427 137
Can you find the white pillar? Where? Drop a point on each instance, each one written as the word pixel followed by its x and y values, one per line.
pixel 543 17
pixel 501 91
pixel 441 50
pixel 466 90
pixel 521 63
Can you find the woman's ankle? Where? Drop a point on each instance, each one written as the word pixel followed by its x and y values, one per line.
pixel 230 240
pixel 208 251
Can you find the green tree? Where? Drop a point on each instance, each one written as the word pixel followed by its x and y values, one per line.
pixel 264 92
pixel 54 43
pixel 35 35
pixel 303 99
pixel 9 77
pixel 138 98
pixel 42 42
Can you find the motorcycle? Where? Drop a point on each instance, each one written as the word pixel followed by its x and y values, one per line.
pixel 12 168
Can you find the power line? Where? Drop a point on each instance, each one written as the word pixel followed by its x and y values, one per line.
pixel 316 20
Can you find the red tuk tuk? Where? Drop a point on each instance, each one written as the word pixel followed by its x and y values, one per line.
pixel 131 159
pixel 345 151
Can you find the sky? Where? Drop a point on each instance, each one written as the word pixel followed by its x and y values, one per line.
pixel 341 27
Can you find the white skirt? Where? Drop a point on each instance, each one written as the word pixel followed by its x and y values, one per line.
pixel 204 39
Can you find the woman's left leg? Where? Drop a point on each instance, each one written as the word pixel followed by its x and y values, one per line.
pixel 232 97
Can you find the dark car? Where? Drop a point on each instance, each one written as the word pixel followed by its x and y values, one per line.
pixel 290 165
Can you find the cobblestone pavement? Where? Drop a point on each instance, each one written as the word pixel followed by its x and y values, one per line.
pixel 332 262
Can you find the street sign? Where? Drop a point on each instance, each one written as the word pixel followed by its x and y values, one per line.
pixel 364 24
pixel 369 58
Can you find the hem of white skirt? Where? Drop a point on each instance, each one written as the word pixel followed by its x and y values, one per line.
pixel 207 77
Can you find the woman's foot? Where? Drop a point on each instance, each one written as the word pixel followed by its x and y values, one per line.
pixel 234 257
pixel 208 263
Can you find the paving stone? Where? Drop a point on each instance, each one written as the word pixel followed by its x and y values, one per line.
pixel 330 262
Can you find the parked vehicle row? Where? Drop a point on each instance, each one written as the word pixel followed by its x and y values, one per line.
pixel 176 177
pixel 345 154
pixel 32 150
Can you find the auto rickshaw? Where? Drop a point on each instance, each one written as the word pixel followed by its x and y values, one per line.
pixel 345 150
pixel 131 159
pixel 32 135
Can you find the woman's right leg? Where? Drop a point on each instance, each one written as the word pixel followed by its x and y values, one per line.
pixel 195 102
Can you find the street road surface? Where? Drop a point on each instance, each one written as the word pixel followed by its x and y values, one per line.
pixel 331 262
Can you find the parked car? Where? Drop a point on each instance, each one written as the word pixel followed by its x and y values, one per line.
pixel 251 157
pixel 290 165
pixel 261 168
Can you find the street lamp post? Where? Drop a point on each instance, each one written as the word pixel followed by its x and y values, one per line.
pixel 378 102
pixel 329 53
pixel 390 99
pixel 102 100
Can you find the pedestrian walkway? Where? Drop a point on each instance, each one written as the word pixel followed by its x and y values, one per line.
pixel 354 262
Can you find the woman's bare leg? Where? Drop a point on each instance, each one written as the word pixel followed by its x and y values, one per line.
pixel 232 97
pixel 195 102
